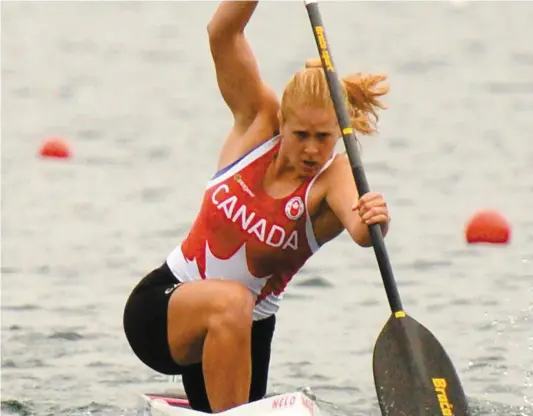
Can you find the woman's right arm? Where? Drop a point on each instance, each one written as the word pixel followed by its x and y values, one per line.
pixel 239 81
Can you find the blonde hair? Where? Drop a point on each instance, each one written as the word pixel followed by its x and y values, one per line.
pixel 309 88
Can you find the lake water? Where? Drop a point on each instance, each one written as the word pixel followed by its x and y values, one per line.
pixel 130 86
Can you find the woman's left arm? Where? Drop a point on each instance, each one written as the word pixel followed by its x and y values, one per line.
pixel 355 213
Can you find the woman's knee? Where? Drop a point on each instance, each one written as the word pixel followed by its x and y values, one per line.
pixel 232 308
pixel 197 308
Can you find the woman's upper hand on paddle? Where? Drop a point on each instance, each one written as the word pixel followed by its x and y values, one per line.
pixel 372 208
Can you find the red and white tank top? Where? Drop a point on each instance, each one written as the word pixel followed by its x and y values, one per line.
pixel 243 234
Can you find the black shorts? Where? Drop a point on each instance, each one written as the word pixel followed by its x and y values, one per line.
pixel 145 326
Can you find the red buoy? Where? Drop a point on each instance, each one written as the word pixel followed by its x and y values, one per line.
pixel 55 147
pixel 488 226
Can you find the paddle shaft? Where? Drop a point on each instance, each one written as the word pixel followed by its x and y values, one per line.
pixel 412 372
pixel 350 142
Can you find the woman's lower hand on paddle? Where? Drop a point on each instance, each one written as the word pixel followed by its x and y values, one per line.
pixel 372 208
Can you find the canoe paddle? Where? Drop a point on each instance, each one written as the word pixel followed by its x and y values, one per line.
pixel 413 374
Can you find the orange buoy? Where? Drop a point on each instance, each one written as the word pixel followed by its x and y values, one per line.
pixel 488 226
pixel 55 147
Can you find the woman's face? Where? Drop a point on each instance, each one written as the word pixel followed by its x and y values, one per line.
pixel 309 135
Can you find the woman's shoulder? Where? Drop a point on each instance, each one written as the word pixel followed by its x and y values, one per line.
pixel 338 169
pixel 338 164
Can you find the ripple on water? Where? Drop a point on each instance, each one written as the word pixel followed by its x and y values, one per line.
pixel 77 235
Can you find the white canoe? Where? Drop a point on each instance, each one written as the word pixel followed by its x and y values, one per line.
pixel 288 404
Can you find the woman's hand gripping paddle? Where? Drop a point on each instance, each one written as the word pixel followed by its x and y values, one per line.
pixel 412 373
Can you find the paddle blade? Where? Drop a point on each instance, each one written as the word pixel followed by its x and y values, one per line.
pixel 413 374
